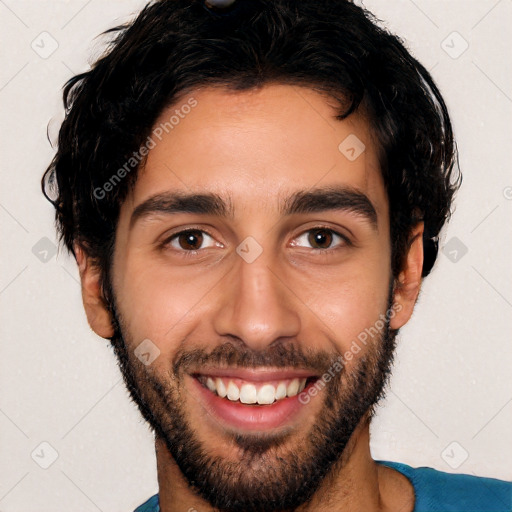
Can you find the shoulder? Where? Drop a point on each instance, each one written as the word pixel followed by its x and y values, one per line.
pixel 437 491
pixel 150 505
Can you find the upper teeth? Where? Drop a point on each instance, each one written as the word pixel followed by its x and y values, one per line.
pixel 249 394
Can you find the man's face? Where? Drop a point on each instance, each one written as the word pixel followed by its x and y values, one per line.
pixel 277 280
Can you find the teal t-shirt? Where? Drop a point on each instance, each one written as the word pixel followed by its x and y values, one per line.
pixel 436 491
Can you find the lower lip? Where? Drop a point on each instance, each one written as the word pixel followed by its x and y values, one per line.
pixel 251 417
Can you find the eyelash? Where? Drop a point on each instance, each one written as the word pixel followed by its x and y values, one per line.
pixel 191 253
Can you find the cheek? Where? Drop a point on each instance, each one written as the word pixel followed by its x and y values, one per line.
pixel 160 302
pixel 348 300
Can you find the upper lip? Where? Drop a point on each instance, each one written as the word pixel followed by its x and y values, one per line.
pixel 257 375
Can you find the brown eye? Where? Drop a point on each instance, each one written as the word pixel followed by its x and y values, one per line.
pixel 320 238
pixel 190 240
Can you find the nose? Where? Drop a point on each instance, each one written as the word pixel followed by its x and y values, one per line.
pixel 257 306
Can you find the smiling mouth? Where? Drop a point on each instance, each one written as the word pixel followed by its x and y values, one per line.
pixel 251 392
pixel 255 400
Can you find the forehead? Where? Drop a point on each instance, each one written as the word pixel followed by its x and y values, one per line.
pixel 257 147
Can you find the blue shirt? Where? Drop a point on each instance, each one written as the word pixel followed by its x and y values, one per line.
pixel 436 491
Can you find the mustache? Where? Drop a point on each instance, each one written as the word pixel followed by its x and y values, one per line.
pixel 240 356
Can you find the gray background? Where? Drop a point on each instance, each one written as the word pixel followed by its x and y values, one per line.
pixel 449 405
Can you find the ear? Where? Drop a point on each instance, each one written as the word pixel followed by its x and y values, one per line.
pixel 407 286
pixel 95 306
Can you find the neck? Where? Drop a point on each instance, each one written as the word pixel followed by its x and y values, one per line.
pixel 357 482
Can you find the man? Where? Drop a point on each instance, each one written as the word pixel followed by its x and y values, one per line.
pixel 253 192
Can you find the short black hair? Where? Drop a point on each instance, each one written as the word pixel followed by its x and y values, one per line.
pixel 176 46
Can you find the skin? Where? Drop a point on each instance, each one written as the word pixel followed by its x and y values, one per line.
pixel 259 147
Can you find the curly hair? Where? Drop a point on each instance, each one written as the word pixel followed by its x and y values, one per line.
pixel 175 46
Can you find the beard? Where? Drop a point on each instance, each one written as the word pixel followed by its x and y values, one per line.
pixel 274 472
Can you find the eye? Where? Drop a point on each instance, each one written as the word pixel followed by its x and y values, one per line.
pixel 321 238
pixel 190 240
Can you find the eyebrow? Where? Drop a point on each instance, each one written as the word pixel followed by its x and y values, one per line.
pixel 331 198
pixel 305 201
pixel 179 202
